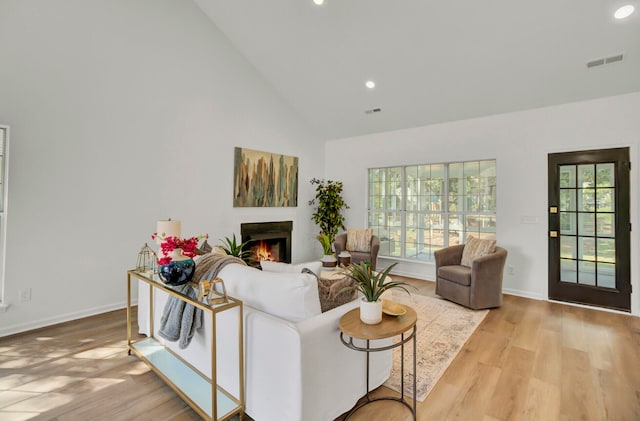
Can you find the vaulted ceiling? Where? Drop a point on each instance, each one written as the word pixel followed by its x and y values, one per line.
pixel 431 61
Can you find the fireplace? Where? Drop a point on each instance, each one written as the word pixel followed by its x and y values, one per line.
pixel 269 240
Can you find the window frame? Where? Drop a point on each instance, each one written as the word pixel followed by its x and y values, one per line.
pixel 418 198
pixel 4 163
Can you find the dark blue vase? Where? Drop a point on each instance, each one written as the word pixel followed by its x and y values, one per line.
pixel 177 272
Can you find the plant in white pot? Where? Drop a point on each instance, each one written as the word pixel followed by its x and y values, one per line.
pixel 328 259
pixel 372 285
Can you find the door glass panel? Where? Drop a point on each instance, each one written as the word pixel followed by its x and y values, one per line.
pixel 586 223
pixel 606 275
pixel 567 176
pixel 567 247
pixel 567 200
pixel 606 200
pixel 567 223
pixel 568 270
pixel 586 248
pixel 587 273
pixel 586 200
pixel 607 250
pixel 605 225
pixel 586 176
pixel 605 176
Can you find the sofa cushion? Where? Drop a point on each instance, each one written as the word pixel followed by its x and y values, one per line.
pixel 291 296
pixel 474 248
pixel 268 266
pixel 456 273
pixel 359 240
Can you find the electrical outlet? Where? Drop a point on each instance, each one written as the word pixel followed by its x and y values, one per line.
pixel 511 270
pixel 24 295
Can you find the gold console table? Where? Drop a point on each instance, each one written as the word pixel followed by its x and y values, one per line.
pixel 197 389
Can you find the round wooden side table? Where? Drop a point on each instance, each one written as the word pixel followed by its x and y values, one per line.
pixel 352 327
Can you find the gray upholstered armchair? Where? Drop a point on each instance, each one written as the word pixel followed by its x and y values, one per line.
pixel 340 244
pixel 478 286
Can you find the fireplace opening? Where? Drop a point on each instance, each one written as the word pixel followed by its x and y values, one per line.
pixel 268 241
pixel 267 250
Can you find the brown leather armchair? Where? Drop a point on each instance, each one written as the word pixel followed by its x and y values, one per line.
pixel 476 287
pixel 340 244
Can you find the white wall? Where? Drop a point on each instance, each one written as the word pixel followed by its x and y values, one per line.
pixel 122 113
pixel 520 142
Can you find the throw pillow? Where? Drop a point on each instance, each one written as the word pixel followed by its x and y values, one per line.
pixel 474 248
pixel 204 248
pixel 332 293
pixel 359 240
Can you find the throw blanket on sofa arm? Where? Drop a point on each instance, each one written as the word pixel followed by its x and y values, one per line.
pixel 180 320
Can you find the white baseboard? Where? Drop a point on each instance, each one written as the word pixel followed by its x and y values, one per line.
pixel 524 294
pixel 408 274
pixel 61 318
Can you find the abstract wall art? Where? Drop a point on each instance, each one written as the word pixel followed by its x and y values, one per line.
pixel 264 179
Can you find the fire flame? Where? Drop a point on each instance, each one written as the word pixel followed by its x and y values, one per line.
pixel 262 252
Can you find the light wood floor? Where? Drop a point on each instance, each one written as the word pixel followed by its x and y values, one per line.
pixel 528 360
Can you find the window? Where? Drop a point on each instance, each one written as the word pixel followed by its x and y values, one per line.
pixel 418 209
pixel 4 137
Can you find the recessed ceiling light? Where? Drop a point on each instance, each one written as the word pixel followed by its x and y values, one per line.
pixel 624 12
pixel 318 2
pixel 370 84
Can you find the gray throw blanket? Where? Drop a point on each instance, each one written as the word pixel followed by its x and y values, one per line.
pixel 180 320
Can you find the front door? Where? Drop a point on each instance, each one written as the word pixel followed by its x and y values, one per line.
pixel 589 228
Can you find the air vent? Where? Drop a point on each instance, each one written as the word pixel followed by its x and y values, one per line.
pixel 613 59
pixel 595 63
pixel 605 60
pixel 373 110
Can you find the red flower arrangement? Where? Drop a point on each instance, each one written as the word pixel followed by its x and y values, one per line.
pixel 188 245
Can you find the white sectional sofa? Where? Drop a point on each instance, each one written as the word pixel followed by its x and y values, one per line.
pixel 296 367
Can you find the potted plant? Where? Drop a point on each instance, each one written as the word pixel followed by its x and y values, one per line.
pixel 233 248
pixel 328 259
pixel 372 285
pixel 328 213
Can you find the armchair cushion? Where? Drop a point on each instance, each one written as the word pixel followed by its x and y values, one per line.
pixel 474 248
pixel 359 240
pixel 461 275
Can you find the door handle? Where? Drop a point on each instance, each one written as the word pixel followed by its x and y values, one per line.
pixel 553 234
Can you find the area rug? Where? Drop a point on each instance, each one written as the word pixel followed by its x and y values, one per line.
pixel 443 328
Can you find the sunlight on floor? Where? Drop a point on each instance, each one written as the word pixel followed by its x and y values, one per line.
pixel 11 362
pixel 97 353
pixel 48 384
pixel 24 396
pixel 17 416
pixel 43 402
pixel 12 380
